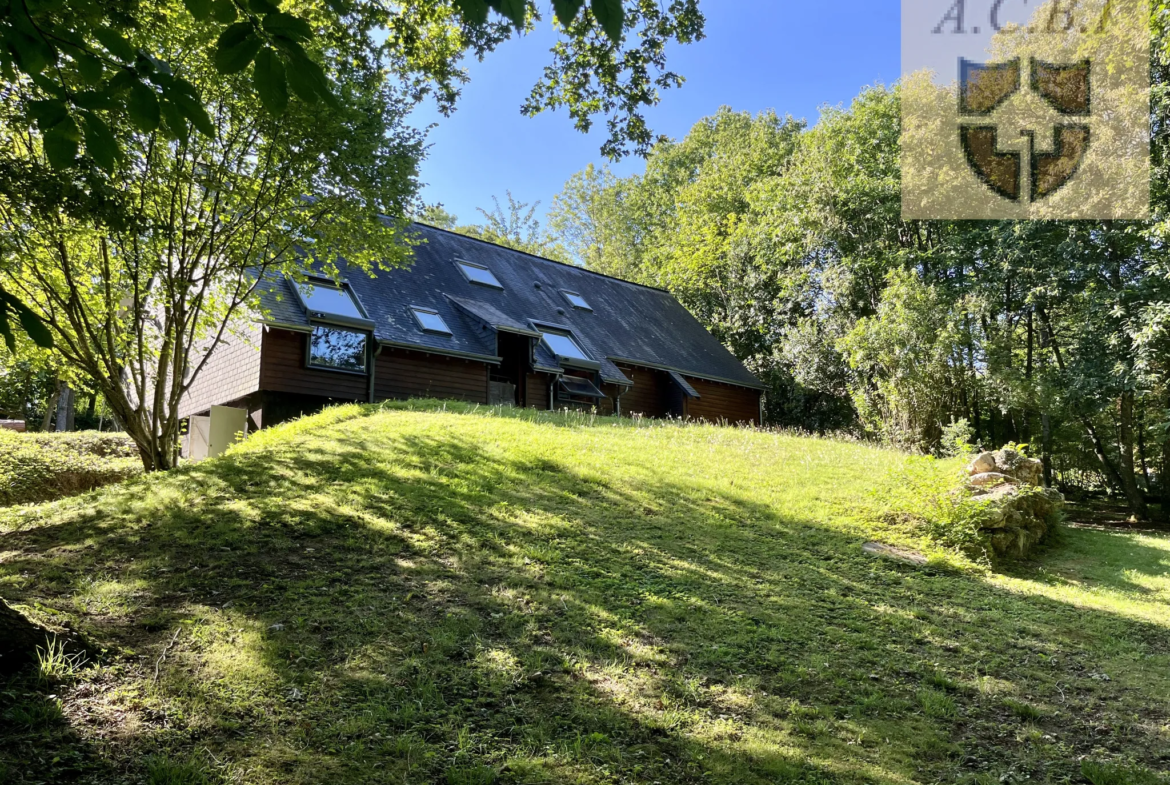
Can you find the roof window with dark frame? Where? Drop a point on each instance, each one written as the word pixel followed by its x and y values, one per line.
pixel 332 302
pixel 429 320
pixel 478 274
pixel 563 345
pixel 576 300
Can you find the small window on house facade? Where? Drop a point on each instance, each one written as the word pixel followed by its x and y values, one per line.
pixel 326 299
pixel 576 300
pixel 563 345
pixel 335 349
pixel 430 321
pixel 477 273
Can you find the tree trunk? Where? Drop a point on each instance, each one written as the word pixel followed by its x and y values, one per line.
pixel 1165 478
pixel 1129 485
pixel 50 409
pixel 20 638
pixel 65 408
pixel 1046 448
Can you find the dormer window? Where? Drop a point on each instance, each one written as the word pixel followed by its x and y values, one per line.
pixel 576 300
pixel 430 321
pixel 478 274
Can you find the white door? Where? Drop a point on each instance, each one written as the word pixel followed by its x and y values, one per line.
pixel 198 433
pixel 227 426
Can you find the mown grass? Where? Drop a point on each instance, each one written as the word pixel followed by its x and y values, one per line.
pixel 428 594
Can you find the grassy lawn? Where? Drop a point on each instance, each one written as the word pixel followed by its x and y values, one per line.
pixel 432 594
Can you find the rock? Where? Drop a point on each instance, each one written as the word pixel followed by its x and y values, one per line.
pixel 1016 513
pixel 984 462
pixel 904 555
pixel 984 479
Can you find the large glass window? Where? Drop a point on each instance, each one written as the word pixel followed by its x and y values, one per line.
pixel 322 298
pixel 337 350
pixel 564 346
pixel 477 273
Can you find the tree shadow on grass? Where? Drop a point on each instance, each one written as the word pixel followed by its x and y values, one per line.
pixel 416 607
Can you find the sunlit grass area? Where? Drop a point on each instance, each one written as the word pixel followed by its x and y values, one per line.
pixel 424 593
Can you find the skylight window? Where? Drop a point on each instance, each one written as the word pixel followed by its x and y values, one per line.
pixel 576 300
pixel 477 273
pixel 564 346
pixel 322 298
pixel 430 321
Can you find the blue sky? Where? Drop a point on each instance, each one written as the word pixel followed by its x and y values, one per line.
pixel 793 57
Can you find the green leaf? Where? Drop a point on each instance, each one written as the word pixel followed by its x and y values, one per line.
pixel 515 10
pixel 223 11
pixel 174 121
pixel 115 44
pixel 5 329
pixel 94 99
pixel 99 141
pixel 268 77
pixel 143 107
pixel 567 10
pixel 61 143
pixel 47 113
pixel 191 108
pixel 307 79
pixel 31 323
pixel 474 12
pixel 32 54
pixel 200 9
pixel 236 48
pixel 263 6
pixel 90 68
pixel 303 85
pixel 287 25
pixel 610 15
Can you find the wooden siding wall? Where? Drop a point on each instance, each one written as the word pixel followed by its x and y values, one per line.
pixel 283 369
pixel 651 395
pixel 536 394
pixel 406 374
pixel 232 372
pixel 723 402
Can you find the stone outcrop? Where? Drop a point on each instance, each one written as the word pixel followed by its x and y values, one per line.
pixel 1017 512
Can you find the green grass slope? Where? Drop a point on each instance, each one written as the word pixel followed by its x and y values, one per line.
pixel 424 594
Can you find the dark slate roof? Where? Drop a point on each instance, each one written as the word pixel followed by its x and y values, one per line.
pixel 628 322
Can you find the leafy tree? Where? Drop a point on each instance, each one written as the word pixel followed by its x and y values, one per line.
pixel 138 295
pixel 797 257
pixel 89 71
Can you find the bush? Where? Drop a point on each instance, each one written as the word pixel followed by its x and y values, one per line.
pixel 38 467
pixel 930 497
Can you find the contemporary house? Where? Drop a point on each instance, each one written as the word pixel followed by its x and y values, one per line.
pixel 474 321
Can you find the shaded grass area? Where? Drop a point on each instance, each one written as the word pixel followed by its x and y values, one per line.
pixel 410 593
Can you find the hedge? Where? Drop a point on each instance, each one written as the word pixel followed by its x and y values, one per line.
pixel 38 467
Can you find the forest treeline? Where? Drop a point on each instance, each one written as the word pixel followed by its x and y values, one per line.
pixel 787 242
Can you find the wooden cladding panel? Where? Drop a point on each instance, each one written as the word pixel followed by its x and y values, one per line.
pixel 723 402
pixel 651 395
pixel 536 394
pixel 283 369
pixel 406 374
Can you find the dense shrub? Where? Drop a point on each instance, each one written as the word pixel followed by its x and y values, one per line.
pixel 37 467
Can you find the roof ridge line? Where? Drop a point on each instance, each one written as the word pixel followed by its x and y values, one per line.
pixel 544 259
